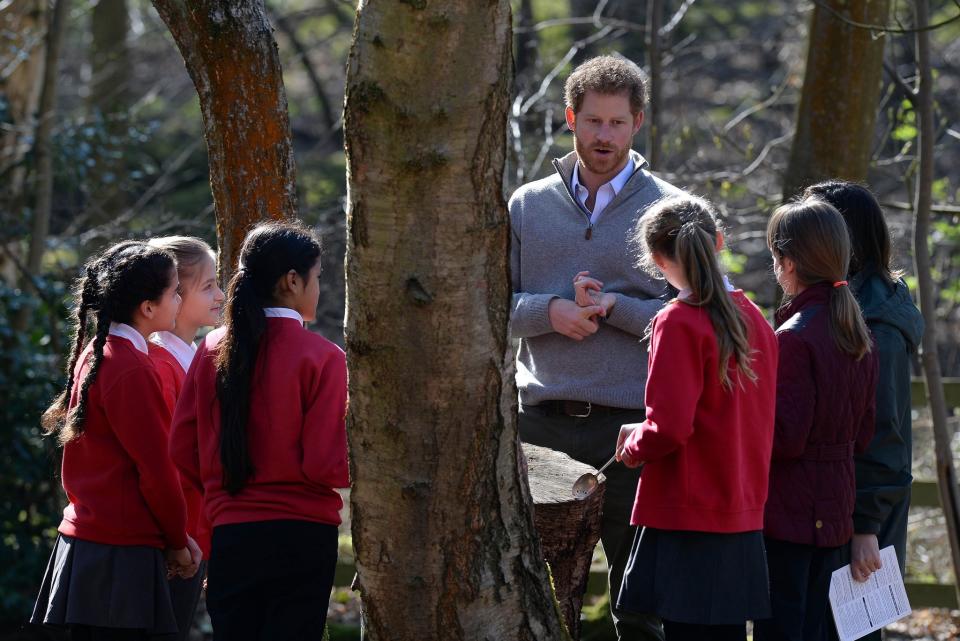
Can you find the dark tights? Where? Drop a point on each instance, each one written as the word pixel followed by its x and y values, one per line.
pixel 674 631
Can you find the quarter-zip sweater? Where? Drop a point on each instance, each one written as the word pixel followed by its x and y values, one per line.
pixel 553 239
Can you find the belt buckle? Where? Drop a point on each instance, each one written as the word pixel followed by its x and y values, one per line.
pixel 589 409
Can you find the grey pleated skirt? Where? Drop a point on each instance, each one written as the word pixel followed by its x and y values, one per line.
pixel 700 578
pixel 109 586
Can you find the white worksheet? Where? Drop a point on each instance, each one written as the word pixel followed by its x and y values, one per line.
pixel 860 608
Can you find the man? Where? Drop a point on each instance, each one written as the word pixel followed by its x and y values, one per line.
pixel 581 370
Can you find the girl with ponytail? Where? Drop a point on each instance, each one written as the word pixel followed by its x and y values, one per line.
pixel 260 429
pixel 825 414
pixel 172 352
pixel 107 577
pixel 698 561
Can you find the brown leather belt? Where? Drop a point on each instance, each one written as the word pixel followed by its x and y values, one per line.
pixel 577 409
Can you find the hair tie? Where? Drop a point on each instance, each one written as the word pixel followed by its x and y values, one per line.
pixel 840 283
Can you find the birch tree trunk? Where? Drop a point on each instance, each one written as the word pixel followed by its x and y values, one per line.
pixel 442 523
pixel 230 53
pixel 946 472
pixel 838 103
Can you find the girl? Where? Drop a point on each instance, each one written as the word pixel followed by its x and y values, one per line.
pixel 259 426
pixel 883 472
pixel 172 352
pixel 825 412
pixel 698 562
pixel 107 578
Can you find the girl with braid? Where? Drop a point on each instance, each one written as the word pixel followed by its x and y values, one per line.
pixel 260 428
pixel 124 528
pixel 698 561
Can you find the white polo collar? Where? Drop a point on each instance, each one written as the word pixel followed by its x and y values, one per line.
pixel 181 350
pixel 685 292
pixel 282 312
pixel 125 331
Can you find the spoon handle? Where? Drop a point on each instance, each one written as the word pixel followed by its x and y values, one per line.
pixel 607 464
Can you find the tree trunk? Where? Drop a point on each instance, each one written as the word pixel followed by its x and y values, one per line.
pixel 946 472
pixel 442 523
pixel 838 104
pixel 109 103
pixel 230 53
pixel 568 528
pixel 654 135
pixel 43 155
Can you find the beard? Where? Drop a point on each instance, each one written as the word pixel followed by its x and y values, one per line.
pixel 600 163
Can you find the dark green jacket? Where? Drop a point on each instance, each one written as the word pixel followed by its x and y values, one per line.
pixel 884 470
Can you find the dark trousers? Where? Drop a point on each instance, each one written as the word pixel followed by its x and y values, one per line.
pixel 592 440
pixel 271 580
pixel 97 633
pixel 799 592
pixel 692 632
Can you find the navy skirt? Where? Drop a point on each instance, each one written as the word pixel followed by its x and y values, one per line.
pixel 108 586
pixel 700 578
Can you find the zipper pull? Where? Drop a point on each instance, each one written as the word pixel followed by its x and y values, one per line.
pixel 589 233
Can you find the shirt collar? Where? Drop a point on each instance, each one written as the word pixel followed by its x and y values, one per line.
pixel 125 331
pixel 282 312
pixel 685 293
pixel 616 183
pixel 180 349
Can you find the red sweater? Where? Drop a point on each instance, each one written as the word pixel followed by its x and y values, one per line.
pixel 297 432
pixel 172 375
pixel 707 449
pixel 122 490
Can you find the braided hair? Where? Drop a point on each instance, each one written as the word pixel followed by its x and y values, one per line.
pixel 113 286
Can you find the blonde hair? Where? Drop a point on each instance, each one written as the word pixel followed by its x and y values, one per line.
pixel 189 252
pixel 684 229
pixel 813 235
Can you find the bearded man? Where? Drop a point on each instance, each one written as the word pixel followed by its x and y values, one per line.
pixel 581 370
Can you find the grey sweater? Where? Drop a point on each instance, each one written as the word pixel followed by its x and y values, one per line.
pixel 549 245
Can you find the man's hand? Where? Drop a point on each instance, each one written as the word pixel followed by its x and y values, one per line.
pixel 589 292
pixel 864 556
pixel 571 320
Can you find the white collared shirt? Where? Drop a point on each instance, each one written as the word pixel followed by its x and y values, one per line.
pixel 605 193
pixel 283 312
pixel 685 292
pixel 125 331
pixel 181 350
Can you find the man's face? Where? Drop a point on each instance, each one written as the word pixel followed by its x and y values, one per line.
pixel 603 131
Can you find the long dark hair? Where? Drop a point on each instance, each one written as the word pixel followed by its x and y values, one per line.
pixel 869 235
pixel 684 229
pixel 268 253
pixel 113 285
pixel 813 235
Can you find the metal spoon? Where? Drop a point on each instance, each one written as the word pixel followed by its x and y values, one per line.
pixel 587 484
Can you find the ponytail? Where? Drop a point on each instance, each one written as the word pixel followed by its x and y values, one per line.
pixel 268 253
pixel 112 287
pixel 684 229
pixel 813 235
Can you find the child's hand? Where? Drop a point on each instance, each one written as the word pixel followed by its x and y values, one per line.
pixel 625 432
pixel 180 563
pixel 587 290
pixel 864 556
pixel 196 554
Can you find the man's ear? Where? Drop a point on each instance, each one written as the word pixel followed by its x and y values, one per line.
pixel 637 121
pixel 571 118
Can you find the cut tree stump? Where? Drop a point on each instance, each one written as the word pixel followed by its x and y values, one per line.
pixel 569 529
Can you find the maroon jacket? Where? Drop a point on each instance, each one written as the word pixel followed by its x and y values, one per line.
pixel 825 413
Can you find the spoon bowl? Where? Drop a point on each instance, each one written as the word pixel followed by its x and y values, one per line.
pixel 587 484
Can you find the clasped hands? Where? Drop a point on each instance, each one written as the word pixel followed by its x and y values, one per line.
pixel 578 318
pixel 184 562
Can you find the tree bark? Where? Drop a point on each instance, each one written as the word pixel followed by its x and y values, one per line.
pixel 838 103
pixel 442 523
pixel 946 472
pixel 230 54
